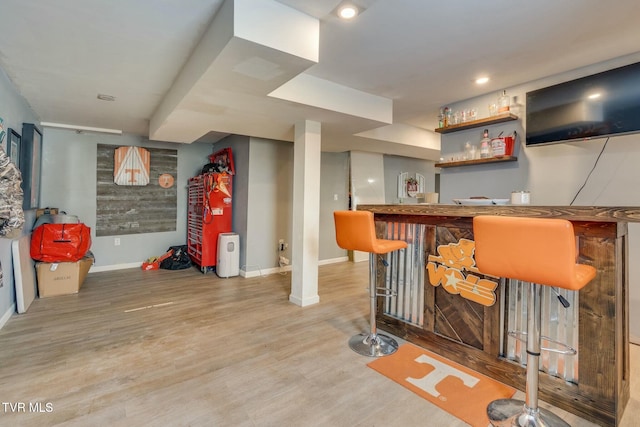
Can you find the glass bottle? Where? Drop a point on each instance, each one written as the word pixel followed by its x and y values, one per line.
pixel 467 151
pixel 503 103
pixel 485 145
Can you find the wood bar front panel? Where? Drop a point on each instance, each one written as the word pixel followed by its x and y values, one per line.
pixel 469 333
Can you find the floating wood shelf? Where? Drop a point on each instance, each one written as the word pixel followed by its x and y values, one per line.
pixel 476 162
pixel 478 123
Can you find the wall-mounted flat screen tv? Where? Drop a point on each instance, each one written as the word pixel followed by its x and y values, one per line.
pixel 595 106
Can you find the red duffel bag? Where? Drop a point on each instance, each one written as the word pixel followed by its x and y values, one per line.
pixel 60 242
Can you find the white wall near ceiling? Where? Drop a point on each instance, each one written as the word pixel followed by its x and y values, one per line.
pixel 367 178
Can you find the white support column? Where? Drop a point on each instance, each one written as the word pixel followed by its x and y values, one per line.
pixel 306 214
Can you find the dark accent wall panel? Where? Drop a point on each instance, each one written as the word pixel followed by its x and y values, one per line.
pixel 136 209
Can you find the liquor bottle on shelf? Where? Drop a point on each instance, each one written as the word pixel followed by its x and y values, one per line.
pixel 485 145
pixel 503 103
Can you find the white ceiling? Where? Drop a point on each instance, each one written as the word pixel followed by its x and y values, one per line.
pixel 178 66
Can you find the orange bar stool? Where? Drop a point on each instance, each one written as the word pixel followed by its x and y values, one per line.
pixel 542 252
pixel 356 231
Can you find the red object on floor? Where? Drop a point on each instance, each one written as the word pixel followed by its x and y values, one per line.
pixel 60 242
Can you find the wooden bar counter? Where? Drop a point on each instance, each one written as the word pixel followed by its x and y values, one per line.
pixel 474 334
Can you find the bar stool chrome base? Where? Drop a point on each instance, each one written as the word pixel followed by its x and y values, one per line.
pixel 514 413
pixel 373 345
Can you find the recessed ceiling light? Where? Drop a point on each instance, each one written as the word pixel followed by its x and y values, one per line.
pixel 482 80
pixel 594 96
pixel 103 97
pixel 348 12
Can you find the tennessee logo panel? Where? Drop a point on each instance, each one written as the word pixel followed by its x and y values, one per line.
pixel 455 269
pixel 131 166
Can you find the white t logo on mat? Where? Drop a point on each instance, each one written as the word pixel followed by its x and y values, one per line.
pixel 429 382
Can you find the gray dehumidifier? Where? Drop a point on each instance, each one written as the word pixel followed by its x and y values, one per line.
pixel 228 264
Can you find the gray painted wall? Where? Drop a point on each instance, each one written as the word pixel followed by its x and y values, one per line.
pixel 69 183
pixel 14 110
pixel 334 195
pixel 490 180
pixel 263 193
pixel 270 201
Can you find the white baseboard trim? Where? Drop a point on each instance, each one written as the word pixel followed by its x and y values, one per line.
pixel 304 302
pixel 95 269
pixel 267 271
pixel 7 315
pixel 333 260
pixel 264 272
pixel 243 273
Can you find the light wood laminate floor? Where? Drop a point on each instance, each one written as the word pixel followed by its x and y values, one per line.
pixel 181 348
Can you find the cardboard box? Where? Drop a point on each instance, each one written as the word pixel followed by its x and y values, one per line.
pixel 46 211
pixel 61 278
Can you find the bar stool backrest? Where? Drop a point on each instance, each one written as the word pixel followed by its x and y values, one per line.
pixel 538 250
pixel 356 231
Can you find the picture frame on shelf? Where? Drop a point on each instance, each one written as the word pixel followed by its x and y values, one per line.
pixel 14 146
